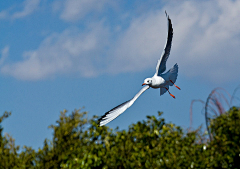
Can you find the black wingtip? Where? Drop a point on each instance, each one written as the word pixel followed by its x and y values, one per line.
pixel 167 14
pixel 100 119
pixel 170 29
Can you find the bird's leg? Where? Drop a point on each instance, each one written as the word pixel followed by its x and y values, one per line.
pixel 175 85
pixel 170 93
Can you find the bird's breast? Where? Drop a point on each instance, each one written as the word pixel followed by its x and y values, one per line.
pixel 158 82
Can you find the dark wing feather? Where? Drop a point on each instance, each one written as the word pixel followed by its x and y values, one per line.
pixel 161 65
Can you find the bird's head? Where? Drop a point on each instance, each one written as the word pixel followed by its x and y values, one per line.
pixel 147 81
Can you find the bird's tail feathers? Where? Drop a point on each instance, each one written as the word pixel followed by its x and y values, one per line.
pixel 163 90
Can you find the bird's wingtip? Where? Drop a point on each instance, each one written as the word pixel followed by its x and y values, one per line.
pixel 166 14
pixel 99 121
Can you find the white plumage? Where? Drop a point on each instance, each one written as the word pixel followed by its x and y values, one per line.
pixel 159 80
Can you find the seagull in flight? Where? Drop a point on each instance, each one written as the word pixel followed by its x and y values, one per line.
pixel 159 80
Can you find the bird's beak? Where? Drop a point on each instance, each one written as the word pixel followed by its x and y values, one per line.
pixel 143 84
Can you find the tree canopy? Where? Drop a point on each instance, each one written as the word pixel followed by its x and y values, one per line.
pixel 78 142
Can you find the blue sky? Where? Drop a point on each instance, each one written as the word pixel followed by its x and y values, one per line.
pixel 94 54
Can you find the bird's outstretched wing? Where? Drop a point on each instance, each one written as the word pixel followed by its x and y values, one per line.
pixel 116 111
pixel 161 65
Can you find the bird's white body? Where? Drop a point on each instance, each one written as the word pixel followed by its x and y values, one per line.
pixel 163 81
pixel 159 80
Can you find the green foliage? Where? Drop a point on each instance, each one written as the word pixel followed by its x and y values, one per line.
pixel 9 156
pixel 225 148
pixel 68 140
pixel 78 142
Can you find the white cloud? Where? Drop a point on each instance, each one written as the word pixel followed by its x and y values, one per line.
pixel 29 6
pixel 4 54
pixel 205 43
pixel 78 9
pixel 140 46
pixel 70 51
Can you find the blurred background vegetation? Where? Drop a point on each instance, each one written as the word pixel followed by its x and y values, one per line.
pixel 78 142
